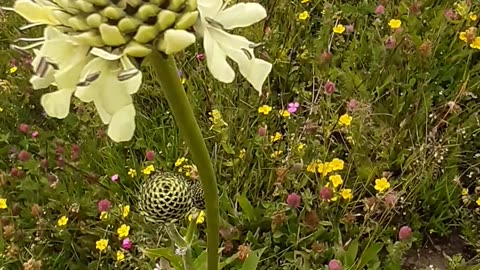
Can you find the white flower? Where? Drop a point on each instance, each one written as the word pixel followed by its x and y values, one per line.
pixel 218 44
pixel 58 62
pixel 109 80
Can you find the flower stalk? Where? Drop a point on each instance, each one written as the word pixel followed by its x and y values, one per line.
pixel 165 72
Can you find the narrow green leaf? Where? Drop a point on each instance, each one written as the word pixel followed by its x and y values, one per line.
pixel 252 260
pixel 370 254
pixel 246 206
pixel 351 253
pixel 155 253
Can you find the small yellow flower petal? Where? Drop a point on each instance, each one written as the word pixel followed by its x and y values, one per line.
pixel 120 256
pixel 346 194
pixel 104 215
pixel 339 29
pixel 101 244
pixel 264 109
pixel 123 231
pixel 125 211
pixel 132 172
pixel 13 70
pixel 303 16
pixel 62 221
pixel 336 180
pixel 345 120
pixel 382 184
pixel 394 23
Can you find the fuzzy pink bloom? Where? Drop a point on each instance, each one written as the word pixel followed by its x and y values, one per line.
pixel 352 104
pixel 334 265
pixel 405 233
pixel 150 155
pixel 23 155
pixel 23 128
pixel 127 244
pixel 391 200
pixel 262 131
pixel 450 14
pixel 35 134
pixel 104 205
pixel 326 193
pixel 379 10
pixel 294 200
pixel 329 88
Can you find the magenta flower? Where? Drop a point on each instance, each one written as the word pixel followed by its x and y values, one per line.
pixel 127 244
pixel 23 155
pixel 262 131
pixel 294 200
pixel 379 10
pixel 115 178
pixel 352 104
pixel 334 265
pixel 23 128
pixel 405 233
pixel 200 57
pixel 329 88
pixel 292 107
pixel 326 193
pixel 35 134
pixel 104 205
pixel 150 155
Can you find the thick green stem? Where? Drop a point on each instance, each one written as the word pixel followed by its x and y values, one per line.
pixel 166 73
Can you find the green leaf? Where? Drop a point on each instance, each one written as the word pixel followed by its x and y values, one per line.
pixel 246 206
pixel 252 260
pixel 351 254
pixel 200 262
pixel 155 253
pixel 228 261
pixel 370 254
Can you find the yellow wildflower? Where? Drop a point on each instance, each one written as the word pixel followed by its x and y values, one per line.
pixel 276 154
pixel 125 211
pixel 304 1
pixel 478 201
pixel 1 109
pixel 13 69
pixel 312 167
pixel 180 161
pixel 303 16
pixel 276 137
pixel 284 114
pixel 476 43
pixel 346 193
pixel 120 256
pixel 382 184
pixel 463 36
pixel 101 244
pixel 336 180
pixel 3 203
pixel 345 120
pixel 132 172
pixel 339 29
pixel 148 170
pixel 334 199
pixel 464 192
pixel 123 231
pixel 264 109
pixel 184 80
pixel 103 215
pixel 337 164
pixel 242 153
pixel 300 147
pixel 324 168
pixel 62 221
pixel 473 17
pixel 200 217
pixel 394 24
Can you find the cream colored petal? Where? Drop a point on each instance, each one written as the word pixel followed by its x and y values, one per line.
pixel 216 60
pixel 209 8
pixel 104 54
pixel 104 115
pixel 122 125
pixel 174 41
pixel 133 84
pixel 43 82
pixel 256 72
pixel 57 104
pixel 35 13
pixel 241 15
pixel 95 66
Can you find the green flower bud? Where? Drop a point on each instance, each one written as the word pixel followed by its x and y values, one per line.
pixel 175 5
pixel 186 20
pixel 112 12
pixel 190 5
pixel 85 6
pixel 100 2
pixel 90 38
pixel 111 36
pixel 146 11
pixel 78 23
pixel 157 2
pixel 165 19
pixel 136 49
pixel 68 6
pixel 134 3
pixel 175 41
pixel 146 33
pixel 62 17
pixel 95 20
pixel 129 24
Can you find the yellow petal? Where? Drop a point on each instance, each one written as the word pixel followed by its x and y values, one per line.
pixel 122 125
pixel 175 41
pixel 35 13
pixel 57 104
